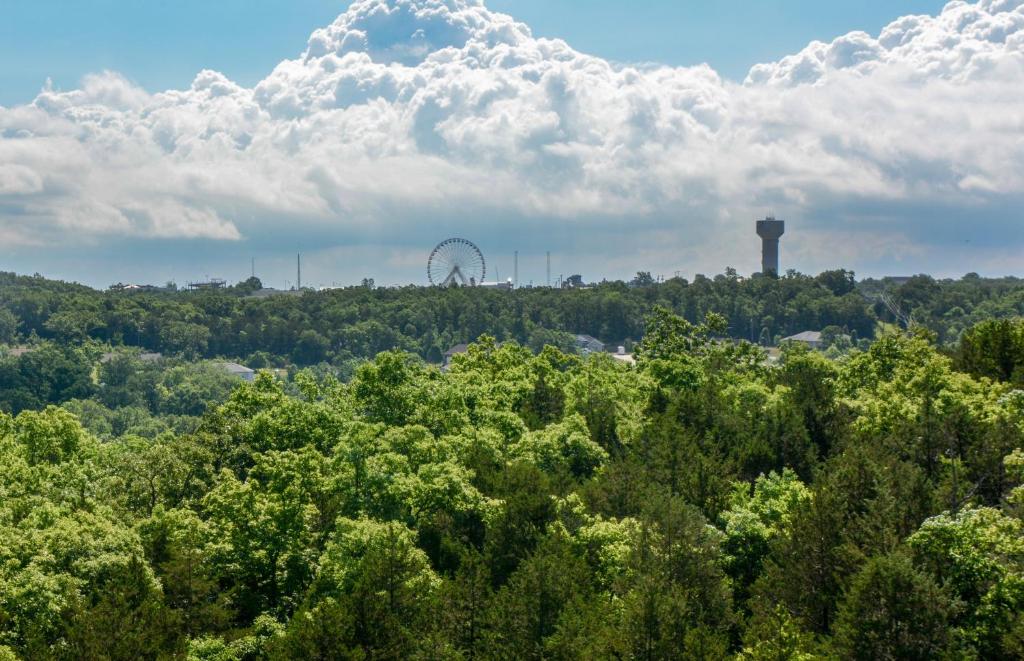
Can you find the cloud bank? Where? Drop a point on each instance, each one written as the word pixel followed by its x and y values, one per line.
pixel 404 116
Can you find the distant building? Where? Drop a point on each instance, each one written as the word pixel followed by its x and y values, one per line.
pixel 215 283
pixel 589 344
pixel 624 357
pixel 573 282
pixel 121 286
pixel 810 338
pixel 134 288
pixel 451 353
pixel 241 371
pixel 501 284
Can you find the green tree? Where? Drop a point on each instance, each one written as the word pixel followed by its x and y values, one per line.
pixel 755 519
pixel 840 282
pixel 186 338
pixel 8 326
pixel 893 611
pixel 266 538
pixel 808 567
pixel 384 389
pixel 383 580
pixel 994 348
pixel 772 634
pixel 978 555
pixel 50 436
pixel 526 611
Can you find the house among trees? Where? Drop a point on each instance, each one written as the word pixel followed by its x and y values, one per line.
pixel 454 351
pixel 588 344
pixel 810 338
pixel 241 371
pixel 148 357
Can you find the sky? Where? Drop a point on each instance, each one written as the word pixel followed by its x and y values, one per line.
pixel 162 45
pixel 181 140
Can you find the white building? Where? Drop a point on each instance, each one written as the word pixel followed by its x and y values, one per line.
pixel 503 285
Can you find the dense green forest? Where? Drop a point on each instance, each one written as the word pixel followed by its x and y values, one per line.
pixel 340 325
pixel 59 332
pixel 702 505
pixel 528 502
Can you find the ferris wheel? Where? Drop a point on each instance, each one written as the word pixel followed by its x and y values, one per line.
pixel 456 262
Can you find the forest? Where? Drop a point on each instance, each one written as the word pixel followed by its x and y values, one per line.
pixel 710 502
pixel 339 326
pixel 56 337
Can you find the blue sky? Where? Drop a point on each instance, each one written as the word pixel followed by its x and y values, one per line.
pixel 886 134
pixel 162 44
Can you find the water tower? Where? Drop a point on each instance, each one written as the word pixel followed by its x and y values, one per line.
pixel 770 230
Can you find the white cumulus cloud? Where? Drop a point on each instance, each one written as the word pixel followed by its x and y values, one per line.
pixel 406 113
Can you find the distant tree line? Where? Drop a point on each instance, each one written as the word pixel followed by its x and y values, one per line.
pixel 341 325
pixel 946 307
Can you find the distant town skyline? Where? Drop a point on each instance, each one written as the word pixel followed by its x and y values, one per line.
pixel 181 141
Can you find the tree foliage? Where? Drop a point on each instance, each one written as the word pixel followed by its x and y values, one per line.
pixel 708 502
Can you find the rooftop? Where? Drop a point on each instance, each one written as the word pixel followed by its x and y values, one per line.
pixel 146 357
pixel 806 336
pixel 235 368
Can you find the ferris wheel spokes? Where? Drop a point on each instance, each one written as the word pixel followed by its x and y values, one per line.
pixel 456 262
